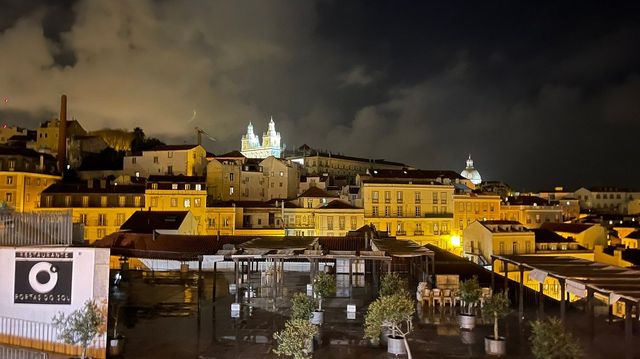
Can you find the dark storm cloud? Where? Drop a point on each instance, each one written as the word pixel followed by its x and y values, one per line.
pixel 540 94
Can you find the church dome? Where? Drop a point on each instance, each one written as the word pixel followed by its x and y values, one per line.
pixel 471 173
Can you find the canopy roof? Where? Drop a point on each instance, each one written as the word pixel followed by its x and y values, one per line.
pixel 400 248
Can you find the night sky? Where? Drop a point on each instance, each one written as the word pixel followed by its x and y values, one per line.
pixel 540 93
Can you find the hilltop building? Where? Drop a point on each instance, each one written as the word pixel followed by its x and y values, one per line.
pixel 471 173
pixel 251 147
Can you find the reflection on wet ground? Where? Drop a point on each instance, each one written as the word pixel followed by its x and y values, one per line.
pixel 165 315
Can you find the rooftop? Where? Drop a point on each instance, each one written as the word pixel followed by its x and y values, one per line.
pixel 178 178
pixel 172 148
pixel 149 221
pixel 566 227
pixel 316 192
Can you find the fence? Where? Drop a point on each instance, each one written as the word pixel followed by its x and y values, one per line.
pixel 18 353
pixel 36 229
pixel 42 336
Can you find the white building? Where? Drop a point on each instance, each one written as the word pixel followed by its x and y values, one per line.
pixel 187 160
pixel 471 173
pixel 251 147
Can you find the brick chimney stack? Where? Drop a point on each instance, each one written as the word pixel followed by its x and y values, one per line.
pixel 62 135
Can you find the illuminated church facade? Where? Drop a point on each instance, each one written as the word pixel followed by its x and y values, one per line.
pixel 251 147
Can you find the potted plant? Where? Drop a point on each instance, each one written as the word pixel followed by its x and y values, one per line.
pixel 116 340
pixel 497 306
pixel 392 283
pixel 296 339
pixel 323 285
pixel 550 340
pixel 469 295
pixel 80 326
pixel 302 306
pixel 393 312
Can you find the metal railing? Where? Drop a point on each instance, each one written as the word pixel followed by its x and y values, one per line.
pixel 36 228
pixel 43 336
pixel 19 353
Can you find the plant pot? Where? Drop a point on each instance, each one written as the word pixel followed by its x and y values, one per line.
pixel 495 347
pixel 317 317
pixel 467 321
pixel 384 334
pixel 309 345
pixel 116 346
pixel 395 345
pixel 467 337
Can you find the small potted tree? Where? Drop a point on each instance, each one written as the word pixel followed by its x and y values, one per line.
pixel 296 339
pixel 323 285
pixel 393 312
pixel 116 340
pixel 550 340
pixel 496 307
pixel 80 326
pixel 302 306
pixel 392 283
pixel 469 295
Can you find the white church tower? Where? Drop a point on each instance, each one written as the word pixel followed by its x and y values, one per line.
pixel 251 147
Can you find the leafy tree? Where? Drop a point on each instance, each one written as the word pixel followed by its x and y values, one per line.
pixel 469 294
pixel 323 285
pixel 81 326
pixel 390 311
pixel 550 340
pixel 302 306
pixel 392 283
pixel 294 340
pixel 497 306
pixel 140 142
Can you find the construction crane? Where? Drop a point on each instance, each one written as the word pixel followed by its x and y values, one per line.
pixel 200 132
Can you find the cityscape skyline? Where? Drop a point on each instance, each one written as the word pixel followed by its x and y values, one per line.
pixel 542 97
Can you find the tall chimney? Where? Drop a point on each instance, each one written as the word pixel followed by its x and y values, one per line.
pixel 62 134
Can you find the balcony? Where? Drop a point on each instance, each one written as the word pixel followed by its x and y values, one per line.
pixel 438 215
pixel 418 232
pixel 401 233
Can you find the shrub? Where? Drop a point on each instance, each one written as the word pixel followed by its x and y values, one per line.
pixel 294 339
pixel 392 283
pixel 81 326
pixel 302 306
pixel 323 285
pixel 469 294
pixel 550 340
pixel 497 306
pixel 391 311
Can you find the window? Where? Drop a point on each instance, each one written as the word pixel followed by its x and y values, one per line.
pixel 435 197
pixel 155 186
pixel 187 186
pixel 154 201
pixel 9 197
pixel 341 222
pixel 231 176
pixel 445 228
pixel 198 187
pixel 37 181
pixel 374 197
pixel 103 201
pixel 435 229
pixel 386 211
pixel 387 196
pixel 309 203
pixel 443 209
pixel 67 201
pixel 399 196
pixel 12 165
pixel 197 202
pixel 119 219
pixel 28 197
pixel 329 223
pixel 83 218
pixel 443 198
pixel 174 202
pixel 400 214
pixel 417 197
pixel 226 222
pixel 174 186
pixel 212 222
pixel 170 154
pixel 170 170
pixel 435 209
pixel 101 233
pixel 27 181
pixel 231 190
pixel 491 208
pixel 136 201
pixel 9 179
pixel 155 159
pixel 187 202
pixel 133 160
pixel 501 248
pixel 527 246
pixel 418 211
pixel 374 211
pixel 102 219
pixel 537 218
pixel 85 201
pixel 354 223
pixel 281 184
pixel 121 201
pixel 281 174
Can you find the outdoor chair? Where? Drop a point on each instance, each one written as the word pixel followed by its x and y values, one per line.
pixel 426 297
pixel 437 296
pixel 456 298
pixel 446 297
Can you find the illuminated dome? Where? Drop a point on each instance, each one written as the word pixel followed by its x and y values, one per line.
pixel 471 173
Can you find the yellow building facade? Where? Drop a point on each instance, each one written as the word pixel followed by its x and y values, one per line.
pixel 421 212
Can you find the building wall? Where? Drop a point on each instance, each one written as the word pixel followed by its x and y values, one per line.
pixel 228 180
pixel 531 216
pixel 220 220
pixel 590 237
pixel 480 241
pixel 419 212
pixel 613 201
pixel 21 190
pixel 190 162
pixel 180 200
pixel 7 132
pixel 283 178
pixel 470 208
pixel 340 166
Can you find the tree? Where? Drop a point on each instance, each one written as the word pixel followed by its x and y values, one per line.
pixel 391 311
pixel 550 340
pixel 295 339
pixel 497 306
pixel 302 306
pixel 140 142
pixel 80 326
pixel 323 285
pixel 469 294
pixel 392 283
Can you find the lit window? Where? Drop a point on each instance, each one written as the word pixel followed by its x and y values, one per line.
pixel 154 201
pixel 174 186
pixel 198 187
pixel 9 197
pixel 281 174
pixel 231 190
pixel 174 202
pixel 187 203
pixel 9 179
pixel 196 202
pixel 187 186
pixel 136 201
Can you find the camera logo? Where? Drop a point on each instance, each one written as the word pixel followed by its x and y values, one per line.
pixel 43 277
